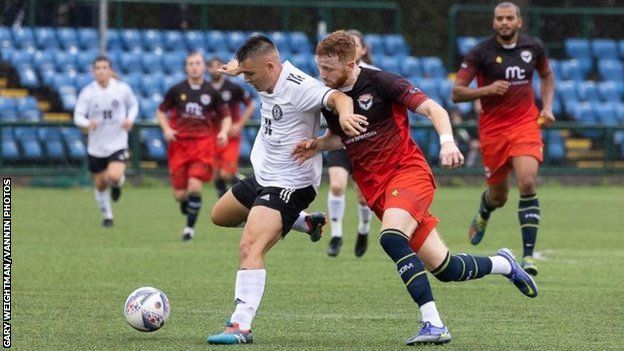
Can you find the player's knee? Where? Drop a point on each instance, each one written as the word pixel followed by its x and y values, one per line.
pixel 337 189
pixel 497 199
pixel 526 184
pixel 393 242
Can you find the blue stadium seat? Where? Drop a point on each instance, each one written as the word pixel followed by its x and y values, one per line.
pixel 577 48
pixel 619 112
pixel 584 113
pixel 433 67
pixel 10 151
pixel 81 81
pixel 173 41
pixel 63 60
pixel 299 43
pixel 68 101
pixel 557 107
pixel 52 141
pixel 152 84
pixel 173 79
pixel 555 146
pixel 411 67
pixel 113 40
pixel 64 83
pixel 131 39
pixel 464 44
pixel 154 142
pixel 88 38
pixel 27 76
pixel 555 67
pixel 235 39
pixel 73 139
pixel 195 40
pixel 605 112
pixel 611 70
pixel 174 62
pixel 84 60
pixel 23 38
pixel 587 91
pixel 389 63
pixel 5 35
pixel 301 61
pixel 130 62
pixel 45 38
pixel 148 109
pixel 621 48
pixel 27 109
pixel 571 70
pixel 395 44
pixel 567 90
pixel 47 74
pixel 375 44
pixel 151 62
pixel 29 143
pixel 428 86
pixel 152 40
pixel 282 42
pixel 610 90
pixel 20 57
pixel 445 86
pixel 134 80
pixel 67 37
pixel 43 57
pixel 604 49
pixel 215 41
pixel 314 71
pixel 8 110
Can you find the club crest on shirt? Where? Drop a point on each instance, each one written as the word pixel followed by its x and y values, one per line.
pixel 365 101
pixel 226 95
pixel 277 112
pixel 526 56
pixel 115 103
pixel 205 99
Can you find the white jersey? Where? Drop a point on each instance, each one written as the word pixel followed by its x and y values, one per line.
pixel 108 107
pixel 289 115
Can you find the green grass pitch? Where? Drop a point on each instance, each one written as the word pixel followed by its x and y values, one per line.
pixel 71 277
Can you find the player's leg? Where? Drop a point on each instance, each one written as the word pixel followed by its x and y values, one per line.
pixel 364 216
pixel 115 174
pixel 526 168
pixel 338 180
pixel 193 191
pixel 232 209
pixel 494 197
pixel 227 161
pixel 97 168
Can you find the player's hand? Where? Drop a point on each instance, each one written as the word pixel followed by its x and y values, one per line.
pixel 235 130
pixel 546 118
pixel 305 150
pixel 170 134
pixel 230 68
pixel 92 125
pixel 222 139
pixel 450 156
pixel 127 124
pixel 499 87
pixel 353 124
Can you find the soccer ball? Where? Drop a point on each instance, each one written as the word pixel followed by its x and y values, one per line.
pixel 147 309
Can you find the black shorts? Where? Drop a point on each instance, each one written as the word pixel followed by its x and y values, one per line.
pixel 289 202
pixel 339 158
pixel 99 164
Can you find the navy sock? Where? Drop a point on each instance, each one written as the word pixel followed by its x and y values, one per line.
pixel 462 267
pixel 194 205
pixel 220 185
pixel 529 216
pixel 411 269
pixel 485 209
pixel 184 207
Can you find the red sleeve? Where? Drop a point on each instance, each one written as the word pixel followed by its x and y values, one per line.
pixel 542 65
pixel 168 101
pixel 469 67
pixel 399 90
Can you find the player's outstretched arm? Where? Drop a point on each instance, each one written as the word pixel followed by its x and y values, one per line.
pixel 310 147
pixel 450 156
pixel 547 88
pixel 352 124
pixel 226 125
pixel 462 92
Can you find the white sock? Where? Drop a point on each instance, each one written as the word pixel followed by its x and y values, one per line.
pixel 300 224
pixel 429 313
pixel 336 207
pixel 247 296
pixel 121 182
pixel 500 265
pixel 365 216
pixel 103 200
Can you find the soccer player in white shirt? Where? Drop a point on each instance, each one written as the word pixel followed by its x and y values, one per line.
pixel 271 202
pixel 106 107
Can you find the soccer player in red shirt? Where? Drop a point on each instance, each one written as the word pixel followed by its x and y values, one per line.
pixel 396 180
pixel 226 163
pixel 198 121
pixel 509 126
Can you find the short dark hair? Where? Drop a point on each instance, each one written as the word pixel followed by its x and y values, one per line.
pixel 213 60
pixel 509 4
pixel 102 58
pixel 255 45
pixel 193 53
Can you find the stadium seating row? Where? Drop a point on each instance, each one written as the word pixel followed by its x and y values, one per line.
pixel 19 109
pixel 43 144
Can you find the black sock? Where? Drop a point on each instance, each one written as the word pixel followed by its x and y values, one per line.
pixel 194 205
pixel 529 216
pixel 410 267
pixel 220 185
pixel 461 267
pixel 485 209
pixel 184 206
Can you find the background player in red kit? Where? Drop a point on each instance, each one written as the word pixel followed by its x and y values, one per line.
pixel 396 180
pixel 198 121
pixel 509 131
pixel 233 95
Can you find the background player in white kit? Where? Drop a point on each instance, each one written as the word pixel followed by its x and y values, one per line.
pixel 271 202
pixel 107 107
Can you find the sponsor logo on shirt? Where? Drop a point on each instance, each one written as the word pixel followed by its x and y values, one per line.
pixel 360 137
pixel 365 101
pixel 277 112
pixel 526 56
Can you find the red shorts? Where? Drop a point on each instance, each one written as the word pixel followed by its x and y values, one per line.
pixel 227 157
pixel 190 158
pixel 412 190
pixel 498 150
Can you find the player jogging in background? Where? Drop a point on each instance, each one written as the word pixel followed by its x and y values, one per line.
pixel 339 169
pixel 226 164
pixel 509 130
pixel 271 202
pixel 107 107
pixel 198 122
pixel 396 180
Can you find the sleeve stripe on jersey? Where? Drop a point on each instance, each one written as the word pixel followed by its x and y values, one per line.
pixel 325 97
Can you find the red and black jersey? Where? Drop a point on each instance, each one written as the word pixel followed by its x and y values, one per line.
pixel 194 111
pixel 387 144
pixel 489 61
pixel 233 95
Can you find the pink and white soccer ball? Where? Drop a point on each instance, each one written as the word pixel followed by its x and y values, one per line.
pixel 147 309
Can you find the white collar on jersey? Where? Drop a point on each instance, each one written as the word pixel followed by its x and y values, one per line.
pixel 510 46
